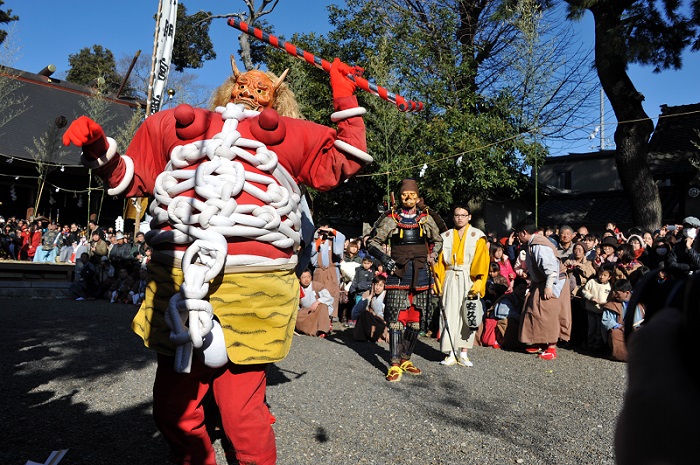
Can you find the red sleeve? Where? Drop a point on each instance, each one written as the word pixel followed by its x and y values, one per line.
pixel 149 152
pixel 310 154
pixel 307 151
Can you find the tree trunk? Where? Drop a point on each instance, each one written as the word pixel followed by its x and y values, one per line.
pixel 635 128
pixel 469 18
pixel 244 41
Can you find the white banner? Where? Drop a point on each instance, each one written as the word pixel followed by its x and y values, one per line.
pixel 163 53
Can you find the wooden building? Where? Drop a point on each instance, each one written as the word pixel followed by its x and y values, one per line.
pixel 30 147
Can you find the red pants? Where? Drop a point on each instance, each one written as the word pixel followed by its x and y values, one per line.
pixel 239 391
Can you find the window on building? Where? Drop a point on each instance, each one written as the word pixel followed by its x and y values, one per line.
pixel 564 180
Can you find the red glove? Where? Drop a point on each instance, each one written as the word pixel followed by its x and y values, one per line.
pixel 89 135
pixel 342 86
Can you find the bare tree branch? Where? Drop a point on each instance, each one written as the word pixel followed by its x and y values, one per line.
pixel 250 17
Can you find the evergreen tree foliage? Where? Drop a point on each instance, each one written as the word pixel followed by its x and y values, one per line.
pixel 192 45
pixel 468 143
pixel 90 64
pixel 6 17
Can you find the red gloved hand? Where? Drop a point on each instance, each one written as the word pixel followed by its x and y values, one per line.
pixel 89 135
pixel 342 86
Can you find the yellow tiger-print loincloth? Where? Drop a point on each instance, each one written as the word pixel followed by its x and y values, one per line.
pixel 257 312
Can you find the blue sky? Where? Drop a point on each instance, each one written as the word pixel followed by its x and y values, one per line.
pixel 49 30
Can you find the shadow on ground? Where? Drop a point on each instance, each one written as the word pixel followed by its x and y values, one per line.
pixel 63 383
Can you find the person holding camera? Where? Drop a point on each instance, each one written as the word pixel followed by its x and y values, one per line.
pixel 685 256
pixel 326 255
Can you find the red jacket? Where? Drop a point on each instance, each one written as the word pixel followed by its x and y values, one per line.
pixel 31 242
pixel 307 152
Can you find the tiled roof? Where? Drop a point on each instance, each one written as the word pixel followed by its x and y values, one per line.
pixel 598 208
pixel 671 147
pixel 47 99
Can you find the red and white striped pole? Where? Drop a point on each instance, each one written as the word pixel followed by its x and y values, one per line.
pixel 364 84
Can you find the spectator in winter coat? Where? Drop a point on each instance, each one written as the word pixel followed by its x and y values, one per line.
pixel 31 241
pixel 121 287
pixel 362 281
pixel 369 313
pixel 566 244
pixel 578 268
pixel 686 252
pixel 613 317
pixel 595 294
pixel 98 246
pixel 315 307
pixel 121 255
pixel 50 242
pixel 607 255
pixel 86 286
pixel 138 290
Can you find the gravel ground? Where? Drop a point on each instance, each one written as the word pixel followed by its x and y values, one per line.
pixel 75 377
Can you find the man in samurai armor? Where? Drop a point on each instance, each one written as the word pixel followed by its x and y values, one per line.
pixel 414 240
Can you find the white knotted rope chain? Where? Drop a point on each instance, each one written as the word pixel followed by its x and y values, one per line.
pixel 206 222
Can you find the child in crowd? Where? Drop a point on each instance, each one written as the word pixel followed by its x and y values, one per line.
pixel 119 291
pixel 362 281
pixel 613 317
pixel 496 284
pixel 503 318
pixel 369 313
pixel 146 258
pixel 138 290
pixel 520 267
pixel 592 243
pixel 498 256
pixel 379 270
pixel 595 294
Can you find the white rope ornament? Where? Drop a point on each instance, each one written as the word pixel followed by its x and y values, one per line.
pixel 195 205
pixel 206 221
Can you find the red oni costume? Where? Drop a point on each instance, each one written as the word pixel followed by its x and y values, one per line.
pixel 222 297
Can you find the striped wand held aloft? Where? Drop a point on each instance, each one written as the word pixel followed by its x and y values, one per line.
pixel 364 84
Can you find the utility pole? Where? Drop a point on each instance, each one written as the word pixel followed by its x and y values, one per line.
pixel 602 119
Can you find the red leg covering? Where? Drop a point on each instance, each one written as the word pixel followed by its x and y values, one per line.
pixel 240 395
pixel 178 411
pixel 409 315
pixel 239 392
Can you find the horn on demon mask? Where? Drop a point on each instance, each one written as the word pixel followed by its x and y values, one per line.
pixel 234 68
pixel 281 79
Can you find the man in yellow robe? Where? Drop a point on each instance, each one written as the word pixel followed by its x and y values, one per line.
pixel 461 269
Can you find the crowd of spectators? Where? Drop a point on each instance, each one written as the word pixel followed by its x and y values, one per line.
pixel 109 264
pixel 602 269
pixel 357 284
